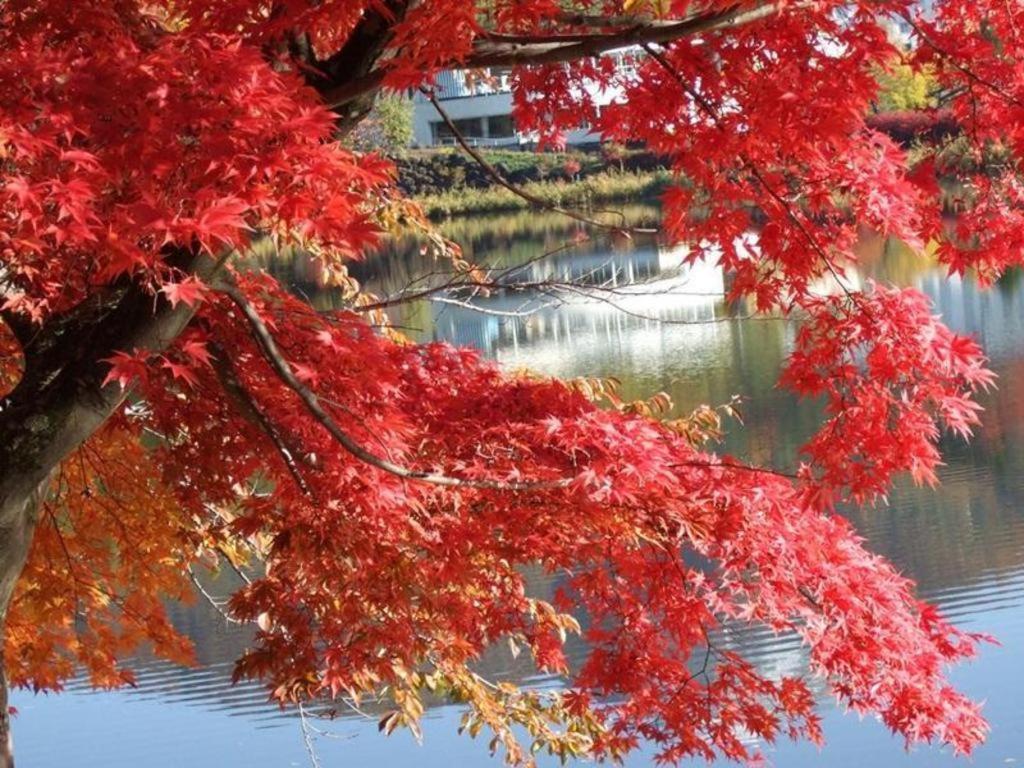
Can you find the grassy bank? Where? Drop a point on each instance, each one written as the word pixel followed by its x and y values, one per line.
pixel 607 187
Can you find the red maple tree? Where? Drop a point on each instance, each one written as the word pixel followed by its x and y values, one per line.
pixel 166 408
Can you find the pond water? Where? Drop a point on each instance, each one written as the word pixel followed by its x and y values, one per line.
pixel 964 544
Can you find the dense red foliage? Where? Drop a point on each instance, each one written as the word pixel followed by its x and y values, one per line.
pixel 388 495
pixel 909 126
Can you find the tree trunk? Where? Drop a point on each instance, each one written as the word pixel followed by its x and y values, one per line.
pixel 6 739
pixel 17 524
pixel 357 58
pixel 59 403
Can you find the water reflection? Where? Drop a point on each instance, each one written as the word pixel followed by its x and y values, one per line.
pixel 964 544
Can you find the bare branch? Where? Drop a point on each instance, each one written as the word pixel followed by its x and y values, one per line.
pixel 509 50
pixel 231 564
pixel 600 293
pixel 511 314
pixel 210 598
pixel 307 738
pixel 537 202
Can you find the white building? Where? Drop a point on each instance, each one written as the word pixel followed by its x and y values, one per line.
pixel 480 105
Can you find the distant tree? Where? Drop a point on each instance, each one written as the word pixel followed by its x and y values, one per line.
pixel 903 86
pixel 388 128
pixel 614 152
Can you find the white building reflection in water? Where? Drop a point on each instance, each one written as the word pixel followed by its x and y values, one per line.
pixel 591 301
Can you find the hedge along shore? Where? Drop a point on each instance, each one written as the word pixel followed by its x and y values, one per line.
pixel 447 183
pixel 607 187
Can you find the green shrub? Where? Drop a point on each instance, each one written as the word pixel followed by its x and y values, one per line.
pixel 388 127
pixel 599 188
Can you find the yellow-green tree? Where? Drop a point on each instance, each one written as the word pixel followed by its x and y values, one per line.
pixel 903 86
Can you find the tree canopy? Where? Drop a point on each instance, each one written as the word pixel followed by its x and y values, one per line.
pixel 167 408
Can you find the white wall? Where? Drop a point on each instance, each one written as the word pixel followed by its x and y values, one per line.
pixel 468 107
pixel 459 109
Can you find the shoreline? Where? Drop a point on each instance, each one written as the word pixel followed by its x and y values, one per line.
pixel 604 187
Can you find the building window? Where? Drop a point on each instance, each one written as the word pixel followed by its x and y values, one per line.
pixel 471 128
pixel 500 127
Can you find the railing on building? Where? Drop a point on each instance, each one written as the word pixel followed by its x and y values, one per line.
pixel 461 84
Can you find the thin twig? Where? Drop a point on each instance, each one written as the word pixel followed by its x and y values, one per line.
pixel 307 738
pixel 509 314
pixel 529 197
pixel 210 598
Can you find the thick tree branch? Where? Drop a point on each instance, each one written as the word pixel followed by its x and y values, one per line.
pixel 20 326
pixel 272 353
pixel 61 399
pixel 363 50
pixel 510 49
pixel 519 50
